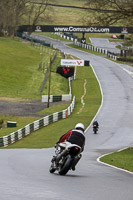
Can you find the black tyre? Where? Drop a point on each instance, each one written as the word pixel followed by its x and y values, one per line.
pixel 52 169
pixel 95 130
pixel 66 165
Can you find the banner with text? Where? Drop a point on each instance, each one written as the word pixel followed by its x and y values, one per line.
pixel 75 29
pixel 69 62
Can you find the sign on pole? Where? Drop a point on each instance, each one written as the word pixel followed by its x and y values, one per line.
pixel 69 62
pixel 65 71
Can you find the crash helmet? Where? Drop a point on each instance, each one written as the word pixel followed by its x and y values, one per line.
pixel 80 126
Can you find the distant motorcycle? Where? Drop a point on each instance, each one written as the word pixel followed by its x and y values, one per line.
pixel 67 156
pixel 95 128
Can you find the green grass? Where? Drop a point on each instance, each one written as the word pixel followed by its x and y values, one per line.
pixel 51 35
pixel 65 16
pixel 70 2
pixel 21 122
pixel 19 74
pixel 121 62
pixel 47 136
pixel 122 159
pixel 53 109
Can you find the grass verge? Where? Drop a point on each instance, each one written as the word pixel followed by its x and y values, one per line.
pixel 122 159
pixel 47 136
pixel 20 76
pixel 51 35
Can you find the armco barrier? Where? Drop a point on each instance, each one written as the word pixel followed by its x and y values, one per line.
pixel 99 50
pixel 21 133
pixel 90 47
pixel 112 56
pixel 35 39
pixel 55 98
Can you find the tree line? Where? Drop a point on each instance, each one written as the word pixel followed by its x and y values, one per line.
pixel 17 12
pixel 110 12
pixel 100 12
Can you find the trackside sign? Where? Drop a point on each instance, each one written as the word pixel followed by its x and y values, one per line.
pixel 76 29
pixel 69 62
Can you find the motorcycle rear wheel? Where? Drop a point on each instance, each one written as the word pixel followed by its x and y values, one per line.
pixel 95 131
pixel 66 165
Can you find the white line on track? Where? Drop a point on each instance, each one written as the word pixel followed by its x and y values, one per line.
pixel 102 98
pixel 124 170
pixel 129 72
pixel 98 159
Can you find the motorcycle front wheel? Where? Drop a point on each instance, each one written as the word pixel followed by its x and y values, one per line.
pixel 52 169
pixel 64 168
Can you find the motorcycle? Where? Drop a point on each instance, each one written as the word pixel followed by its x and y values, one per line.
pixel 95 128
pixel 67 156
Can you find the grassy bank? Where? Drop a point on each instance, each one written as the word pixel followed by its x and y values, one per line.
pixel 20 78
pixel 47 136
pixel 122 159
pixel 64 15
pixel 19 74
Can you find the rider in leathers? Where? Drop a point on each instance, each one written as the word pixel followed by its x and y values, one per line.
pixel 74 136
pixel 95 123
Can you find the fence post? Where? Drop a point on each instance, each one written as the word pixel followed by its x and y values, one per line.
pixel 49 83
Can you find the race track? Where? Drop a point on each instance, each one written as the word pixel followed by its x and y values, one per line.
pixel 24 173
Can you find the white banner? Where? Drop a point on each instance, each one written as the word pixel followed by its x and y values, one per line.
pixel 69 62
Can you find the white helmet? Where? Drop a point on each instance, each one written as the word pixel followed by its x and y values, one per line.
pixel 80 126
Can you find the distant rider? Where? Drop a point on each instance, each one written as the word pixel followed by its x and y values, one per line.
pixel 95 123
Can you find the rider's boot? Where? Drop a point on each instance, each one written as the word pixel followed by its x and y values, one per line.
pixel 76 160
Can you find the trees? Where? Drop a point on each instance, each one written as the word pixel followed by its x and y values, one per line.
pixel 16 12
pixel 34 11
pixel 10 15
pixel 110 12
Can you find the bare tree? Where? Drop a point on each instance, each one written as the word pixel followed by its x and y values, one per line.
pixel 36 10
pixel 11 14
pixel 16 12
pixel 109 12
pixel 1 17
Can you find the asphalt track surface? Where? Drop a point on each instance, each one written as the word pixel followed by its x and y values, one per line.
pixel 24 173
pixel 105 44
